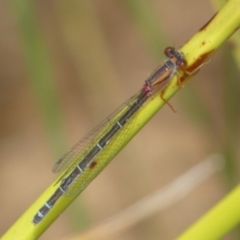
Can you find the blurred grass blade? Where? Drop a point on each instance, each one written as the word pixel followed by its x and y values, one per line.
pixel 231 92
pixel 39 69
pixel 145 18
pixel 156 202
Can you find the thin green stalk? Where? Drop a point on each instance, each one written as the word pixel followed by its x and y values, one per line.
pixel 216 223
pixel 197 50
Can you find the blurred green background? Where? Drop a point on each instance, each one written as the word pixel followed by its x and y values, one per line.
pixel 66 65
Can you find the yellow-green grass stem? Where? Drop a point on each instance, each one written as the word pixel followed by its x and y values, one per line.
pixel 217 222
pixel 197 50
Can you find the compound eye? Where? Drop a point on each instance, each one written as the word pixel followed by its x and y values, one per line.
pixel 169 51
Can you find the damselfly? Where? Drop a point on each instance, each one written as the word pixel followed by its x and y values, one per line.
pixel 88 157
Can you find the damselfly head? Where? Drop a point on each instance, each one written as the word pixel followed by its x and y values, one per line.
pixel 176 56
